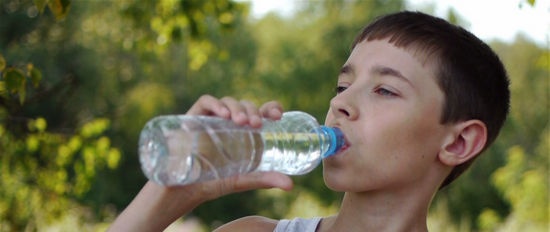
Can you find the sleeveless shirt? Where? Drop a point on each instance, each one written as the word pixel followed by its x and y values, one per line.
pixel 298 225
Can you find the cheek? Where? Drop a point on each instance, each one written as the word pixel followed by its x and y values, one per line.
pixel 404 141
pixel 417 144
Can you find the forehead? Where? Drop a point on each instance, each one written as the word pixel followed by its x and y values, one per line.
pixel 410 61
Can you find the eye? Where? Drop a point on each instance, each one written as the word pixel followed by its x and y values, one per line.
pixel 339 89
pixel 385 92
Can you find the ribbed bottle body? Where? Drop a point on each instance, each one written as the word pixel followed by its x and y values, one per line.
pixel 294 145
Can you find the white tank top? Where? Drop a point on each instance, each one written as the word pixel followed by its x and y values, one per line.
pixel 298 225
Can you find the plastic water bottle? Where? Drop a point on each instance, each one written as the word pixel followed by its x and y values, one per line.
pixel 183 149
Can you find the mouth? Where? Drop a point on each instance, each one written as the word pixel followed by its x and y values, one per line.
pixel 344 146
pixel 343 142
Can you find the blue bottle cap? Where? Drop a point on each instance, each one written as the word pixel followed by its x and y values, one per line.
pixel 336 140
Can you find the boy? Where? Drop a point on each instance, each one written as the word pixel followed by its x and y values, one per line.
pixel 417 100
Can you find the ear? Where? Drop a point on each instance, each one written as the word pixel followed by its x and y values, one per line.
pixel 465 141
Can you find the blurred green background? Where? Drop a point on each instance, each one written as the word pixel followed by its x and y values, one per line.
pixel 79 79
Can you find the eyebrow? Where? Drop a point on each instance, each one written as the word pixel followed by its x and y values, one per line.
pixel 378 70
pixel 388 71
pixel 346 69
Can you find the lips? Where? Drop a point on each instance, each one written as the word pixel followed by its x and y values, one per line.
pixel 345 146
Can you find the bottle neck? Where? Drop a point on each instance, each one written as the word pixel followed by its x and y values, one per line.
pixel 334 138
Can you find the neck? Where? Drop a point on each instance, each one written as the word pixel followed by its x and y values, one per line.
pixel 405 209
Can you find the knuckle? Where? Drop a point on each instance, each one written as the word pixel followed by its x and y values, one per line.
pixel 206 97
pixel 227 99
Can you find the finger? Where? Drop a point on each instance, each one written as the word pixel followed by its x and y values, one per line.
pixel 237 110
pixel 272 110
pixel 209 105
pixel 254 117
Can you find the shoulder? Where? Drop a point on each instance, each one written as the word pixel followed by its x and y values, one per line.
pixel 299 224
pixel 249 223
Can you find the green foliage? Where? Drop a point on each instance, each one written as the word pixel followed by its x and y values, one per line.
pixel 489 220
pixel 13 81
pixel 43 173
pixel 525 186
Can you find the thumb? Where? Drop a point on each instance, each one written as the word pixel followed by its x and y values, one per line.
pixel 262 180
pixel 249 181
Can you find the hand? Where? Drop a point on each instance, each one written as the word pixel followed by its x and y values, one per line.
pixel 241 112
pixel 156 207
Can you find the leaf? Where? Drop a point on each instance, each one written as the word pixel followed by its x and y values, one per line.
pixel 41 124
pixel 95 127
pixel 34 74
pixel 2 63
pixel 33 143
pixel 60 8
pixel 22 93
pixel 3 90
pixel 113 158
pixel 14 79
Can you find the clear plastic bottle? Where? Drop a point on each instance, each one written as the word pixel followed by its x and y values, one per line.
pixel 182 149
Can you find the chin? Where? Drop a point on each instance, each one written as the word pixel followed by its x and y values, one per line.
pixel 332 182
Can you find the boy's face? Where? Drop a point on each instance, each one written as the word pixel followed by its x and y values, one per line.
pixel 389 107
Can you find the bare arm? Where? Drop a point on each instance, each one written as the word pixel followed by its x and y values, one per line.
pixel 156 207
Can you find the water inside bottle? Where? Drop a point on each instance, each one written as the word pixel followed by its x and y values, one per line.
pixel 292 153
pixel 194 156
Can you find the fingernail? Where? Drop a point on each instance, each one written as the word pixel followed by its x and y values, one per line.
pixel 224 112
pixel 276 113
pixel 241 117
pixel 255 120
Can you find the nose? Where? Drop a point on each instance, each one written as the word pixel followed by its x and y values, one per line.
pixel 343 106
